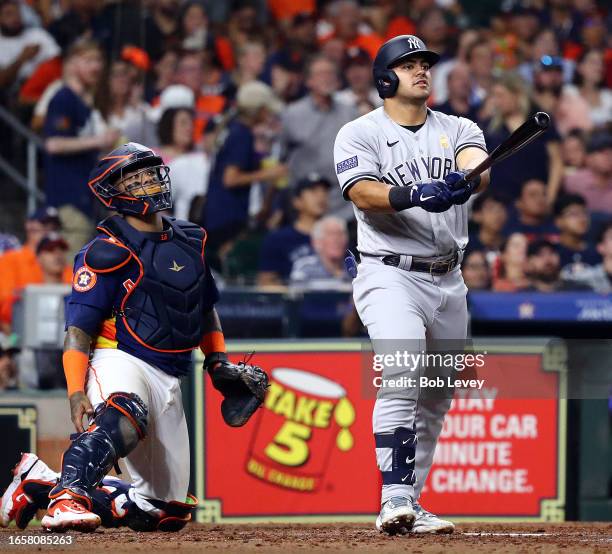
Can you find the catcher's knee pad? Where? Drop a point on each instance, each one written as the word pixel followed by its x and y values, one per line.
pixel 117 427
pixel 403 443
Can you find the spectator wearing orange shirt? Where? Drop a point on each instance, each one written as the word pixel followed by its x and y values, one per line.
pixel 51 259
pixel 346 18
pixel 20 267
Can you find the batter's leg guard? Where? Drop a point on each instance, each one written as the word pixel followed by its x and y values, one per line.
pixel 403 443
pixel 117 427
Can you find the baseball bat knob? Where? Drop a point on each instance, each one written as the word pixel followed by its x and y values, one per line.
pixel 542 120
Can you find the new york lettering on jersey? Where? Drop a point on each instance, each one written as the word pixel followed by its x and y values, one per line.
pixel 380 149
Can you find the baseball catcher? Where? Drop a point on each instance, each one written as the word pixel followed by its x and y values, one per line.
pixel 142 299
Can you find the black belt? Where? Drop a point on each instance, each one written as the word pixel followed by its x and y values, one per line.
pixel 435 267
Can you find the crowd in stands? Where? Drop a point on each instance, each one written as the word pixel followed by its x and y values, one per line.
pixel 243 100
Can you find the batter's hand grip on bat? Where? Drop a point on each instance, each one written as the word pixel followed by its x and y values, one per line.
pixel 527 132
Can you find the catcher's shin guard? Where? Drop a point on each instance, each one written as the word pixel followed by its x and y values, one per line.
pixel 117 427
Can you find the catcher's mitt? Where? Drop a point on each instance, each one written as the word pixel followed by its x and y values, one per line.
pixel 243 387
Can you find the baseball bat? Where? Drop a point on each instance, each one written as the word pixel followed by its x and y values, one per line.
pixel 528 131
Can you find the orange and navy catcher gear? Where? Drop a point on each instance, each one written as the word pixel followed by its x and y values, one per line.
pixel 146 294
pixel 113 167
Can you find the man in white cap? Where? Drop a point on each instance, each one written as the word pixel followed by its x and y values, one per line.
pixel 237 167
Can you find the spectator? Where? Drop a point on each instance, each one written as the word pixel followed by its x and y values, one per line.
pixel 207 88
pixel 164 73
pixel 310 127
pixel 540 159
pixel 476 270
pixel 325 268
pixel 283 247
pixel 548 83
pixel 360 93
pixel 490 213
pixel 588 94
pixel 75 133
pixel 20 266
pixel 479 56
pixel 243 25
pixel 573 152
pixel 285 67
pixel 345 16
pixel 524 24
pixel 440 71
pixel 599 278
pixel 189 167
pixel 594 182
pixel 509 274
pixel 146 130
pixel 77 20
pixel 51 259
pixel 196 35
pixel 121 99
pixel 154 29
pixel 434 31
pixel 22 48
pixel 532 214
pixel 236 167
pixel 8 367
pixel 459 100
pixel 545 44
pixel 250 63
pixel 573 220
pixel 544 270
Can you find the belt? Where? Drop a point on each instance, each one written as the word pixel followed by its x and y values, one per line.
pixel 441 266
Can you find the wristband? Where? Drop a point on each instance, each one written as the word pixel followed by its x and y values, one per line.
pixel 212 342
pixel 75 370
pixel 400 198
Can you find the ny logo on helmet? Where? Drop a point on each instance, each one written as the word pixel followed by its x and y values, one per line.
pixel 414 43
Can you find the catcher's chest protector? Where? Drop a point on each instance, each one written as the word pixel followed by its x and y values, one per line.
pixel 163 309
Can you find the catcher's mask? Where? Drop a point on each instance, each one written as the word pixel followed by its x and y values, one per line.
pixel 133 180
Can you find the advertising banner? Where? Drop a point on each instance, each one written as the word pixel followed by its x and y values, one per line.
pixel 308 453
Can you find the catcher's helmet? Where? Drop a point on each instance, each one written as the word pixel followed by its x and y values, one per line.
pixel 128 158
pixel 390 54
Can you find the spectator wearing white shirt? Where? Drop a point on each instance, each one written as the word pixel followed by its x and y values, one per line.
pixel 22 48
pixel 189 168
pixel 325 268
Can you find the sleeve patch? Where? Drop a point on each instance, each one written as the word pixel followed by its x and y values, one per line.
pixel 84 279
pixel 345 165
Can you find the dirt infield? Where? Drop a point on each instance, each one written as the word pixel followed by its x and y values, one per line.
pixel 470 538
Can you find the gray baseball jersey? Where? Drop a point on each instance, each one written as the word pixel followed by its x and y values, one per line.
pixel 377 148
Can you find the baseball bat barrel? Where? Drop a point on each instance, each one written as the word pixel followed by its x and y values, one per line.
pixel 527 132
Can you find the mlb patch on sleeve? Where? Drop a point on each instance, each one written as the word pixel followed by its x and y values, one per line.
pixel 350 163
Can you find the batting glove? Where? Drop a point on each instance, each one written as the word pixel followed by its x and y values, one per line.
pixel 460 189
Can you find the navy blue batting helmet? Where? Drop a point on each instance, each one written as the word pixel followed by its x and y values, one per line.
pixel 392 53
pixel 148 193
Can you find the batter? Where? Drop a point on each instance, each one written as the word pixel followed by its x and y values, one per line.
pixel 403 166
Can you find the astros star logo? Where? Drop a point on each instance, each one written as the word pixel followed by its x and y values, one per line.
pixel 84 279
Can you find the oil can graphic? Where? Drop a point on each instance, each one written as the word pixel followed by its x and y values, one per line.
pixel 304 418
